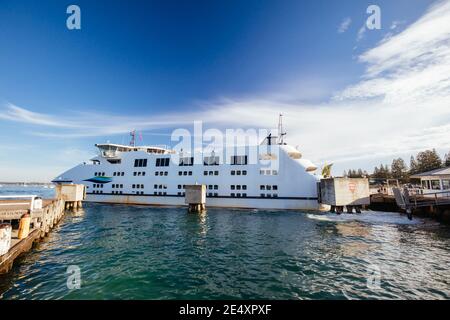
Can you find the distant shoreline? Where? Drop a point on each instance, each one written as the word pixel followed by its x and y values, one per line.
pixel 26 183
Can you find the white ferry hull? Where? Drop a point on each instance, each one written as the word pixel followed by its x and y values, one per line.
pixel 141 177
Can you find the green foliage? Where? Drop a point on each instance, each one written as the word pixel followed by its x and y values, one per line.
pixel 447 160
pixel 428 160
pixel 399 170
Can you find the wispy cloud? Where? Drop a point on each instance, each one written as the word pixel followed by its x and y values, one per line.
pixel 361 33
pixel 344 25
pixel 400 105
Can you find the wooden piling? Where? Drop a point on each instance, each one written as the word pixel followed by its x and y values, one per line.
pixel 24 226
pixel 5 238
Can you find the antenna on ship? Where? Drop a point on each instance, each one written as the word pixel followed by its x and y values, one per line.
pixel 133 138
pixel 281 132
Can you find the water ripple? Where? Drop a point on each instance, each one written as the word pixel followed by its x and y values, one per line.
pixel 127 252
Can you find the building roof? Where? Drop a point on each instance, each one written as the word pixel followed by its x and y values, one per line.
pixel 435 172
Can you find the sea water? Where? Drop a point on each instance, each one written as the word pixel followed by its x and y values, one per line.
pixel 141 252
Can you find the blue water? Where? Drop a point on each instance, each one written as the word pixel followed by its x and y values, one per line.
pixel 138 252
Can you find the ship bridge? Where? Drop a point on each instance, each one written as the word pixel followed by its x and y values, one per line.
pixel 112 151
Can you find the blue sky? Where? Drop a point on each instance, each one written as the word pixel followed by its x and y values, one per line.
pixel 350 95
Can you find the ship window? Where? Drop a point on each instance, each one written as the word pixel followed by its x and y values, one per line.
pixel 275 195
pixel 155 186
pixel 244 195
pixel 244 187
pixel 262 187
pixel 133 186
pixel 232 194
pixel 156 173
pixel 158 162
pixel 216 187
pixel 268 172
pixel 239 160
pixel 211 161
pixel 216 173
pixel 268 187
pixel 114 161
pixel 123 173
pixel 210 173
pixel 134 173
pixel 205 173
pixel 179 186
pixel 233 172
pixel 275 187
pixel 274 172
pixel 210 187
pixel 143 173
pixel 114 174
pixel 244 172
pixel 238 187
pixel 268 195
pixel 142 186
pixel 180 173
pixel 238 172
pixel 232 187
pixel 190 173
pixel 187 161
pixel 261 172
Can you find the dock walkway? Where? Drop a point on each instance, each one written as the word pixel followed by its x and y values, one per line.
pixel 27 219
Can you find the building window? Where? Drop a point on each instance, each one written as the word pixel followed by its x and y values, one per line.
pixel 435 185
pixel 445 184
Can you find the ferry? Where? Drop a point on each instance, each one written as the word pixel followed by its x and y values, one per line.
pixel 154 175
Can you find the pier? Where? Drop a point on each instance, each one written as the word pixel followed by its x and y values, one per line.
pixel 26 219
pixel 435 205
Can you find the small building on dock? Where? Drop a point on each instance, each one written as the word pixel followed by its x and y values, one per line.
pixel 435 180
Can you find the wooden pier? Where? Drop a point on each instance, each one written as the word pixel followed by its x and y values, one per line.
pixel 434 205
pixel 26 223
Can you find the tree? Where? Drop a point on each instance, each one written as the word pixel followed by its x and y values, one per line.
pixel 399 170
pixel 428 160
pixel 381 173
pixel 413 167
pixel 447 160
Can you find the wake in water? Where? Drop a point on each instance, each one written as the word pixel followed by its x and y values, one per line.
pixel 374 217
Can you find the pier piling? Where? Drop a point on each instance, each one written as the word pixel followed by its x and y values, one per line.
pixel 195 198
